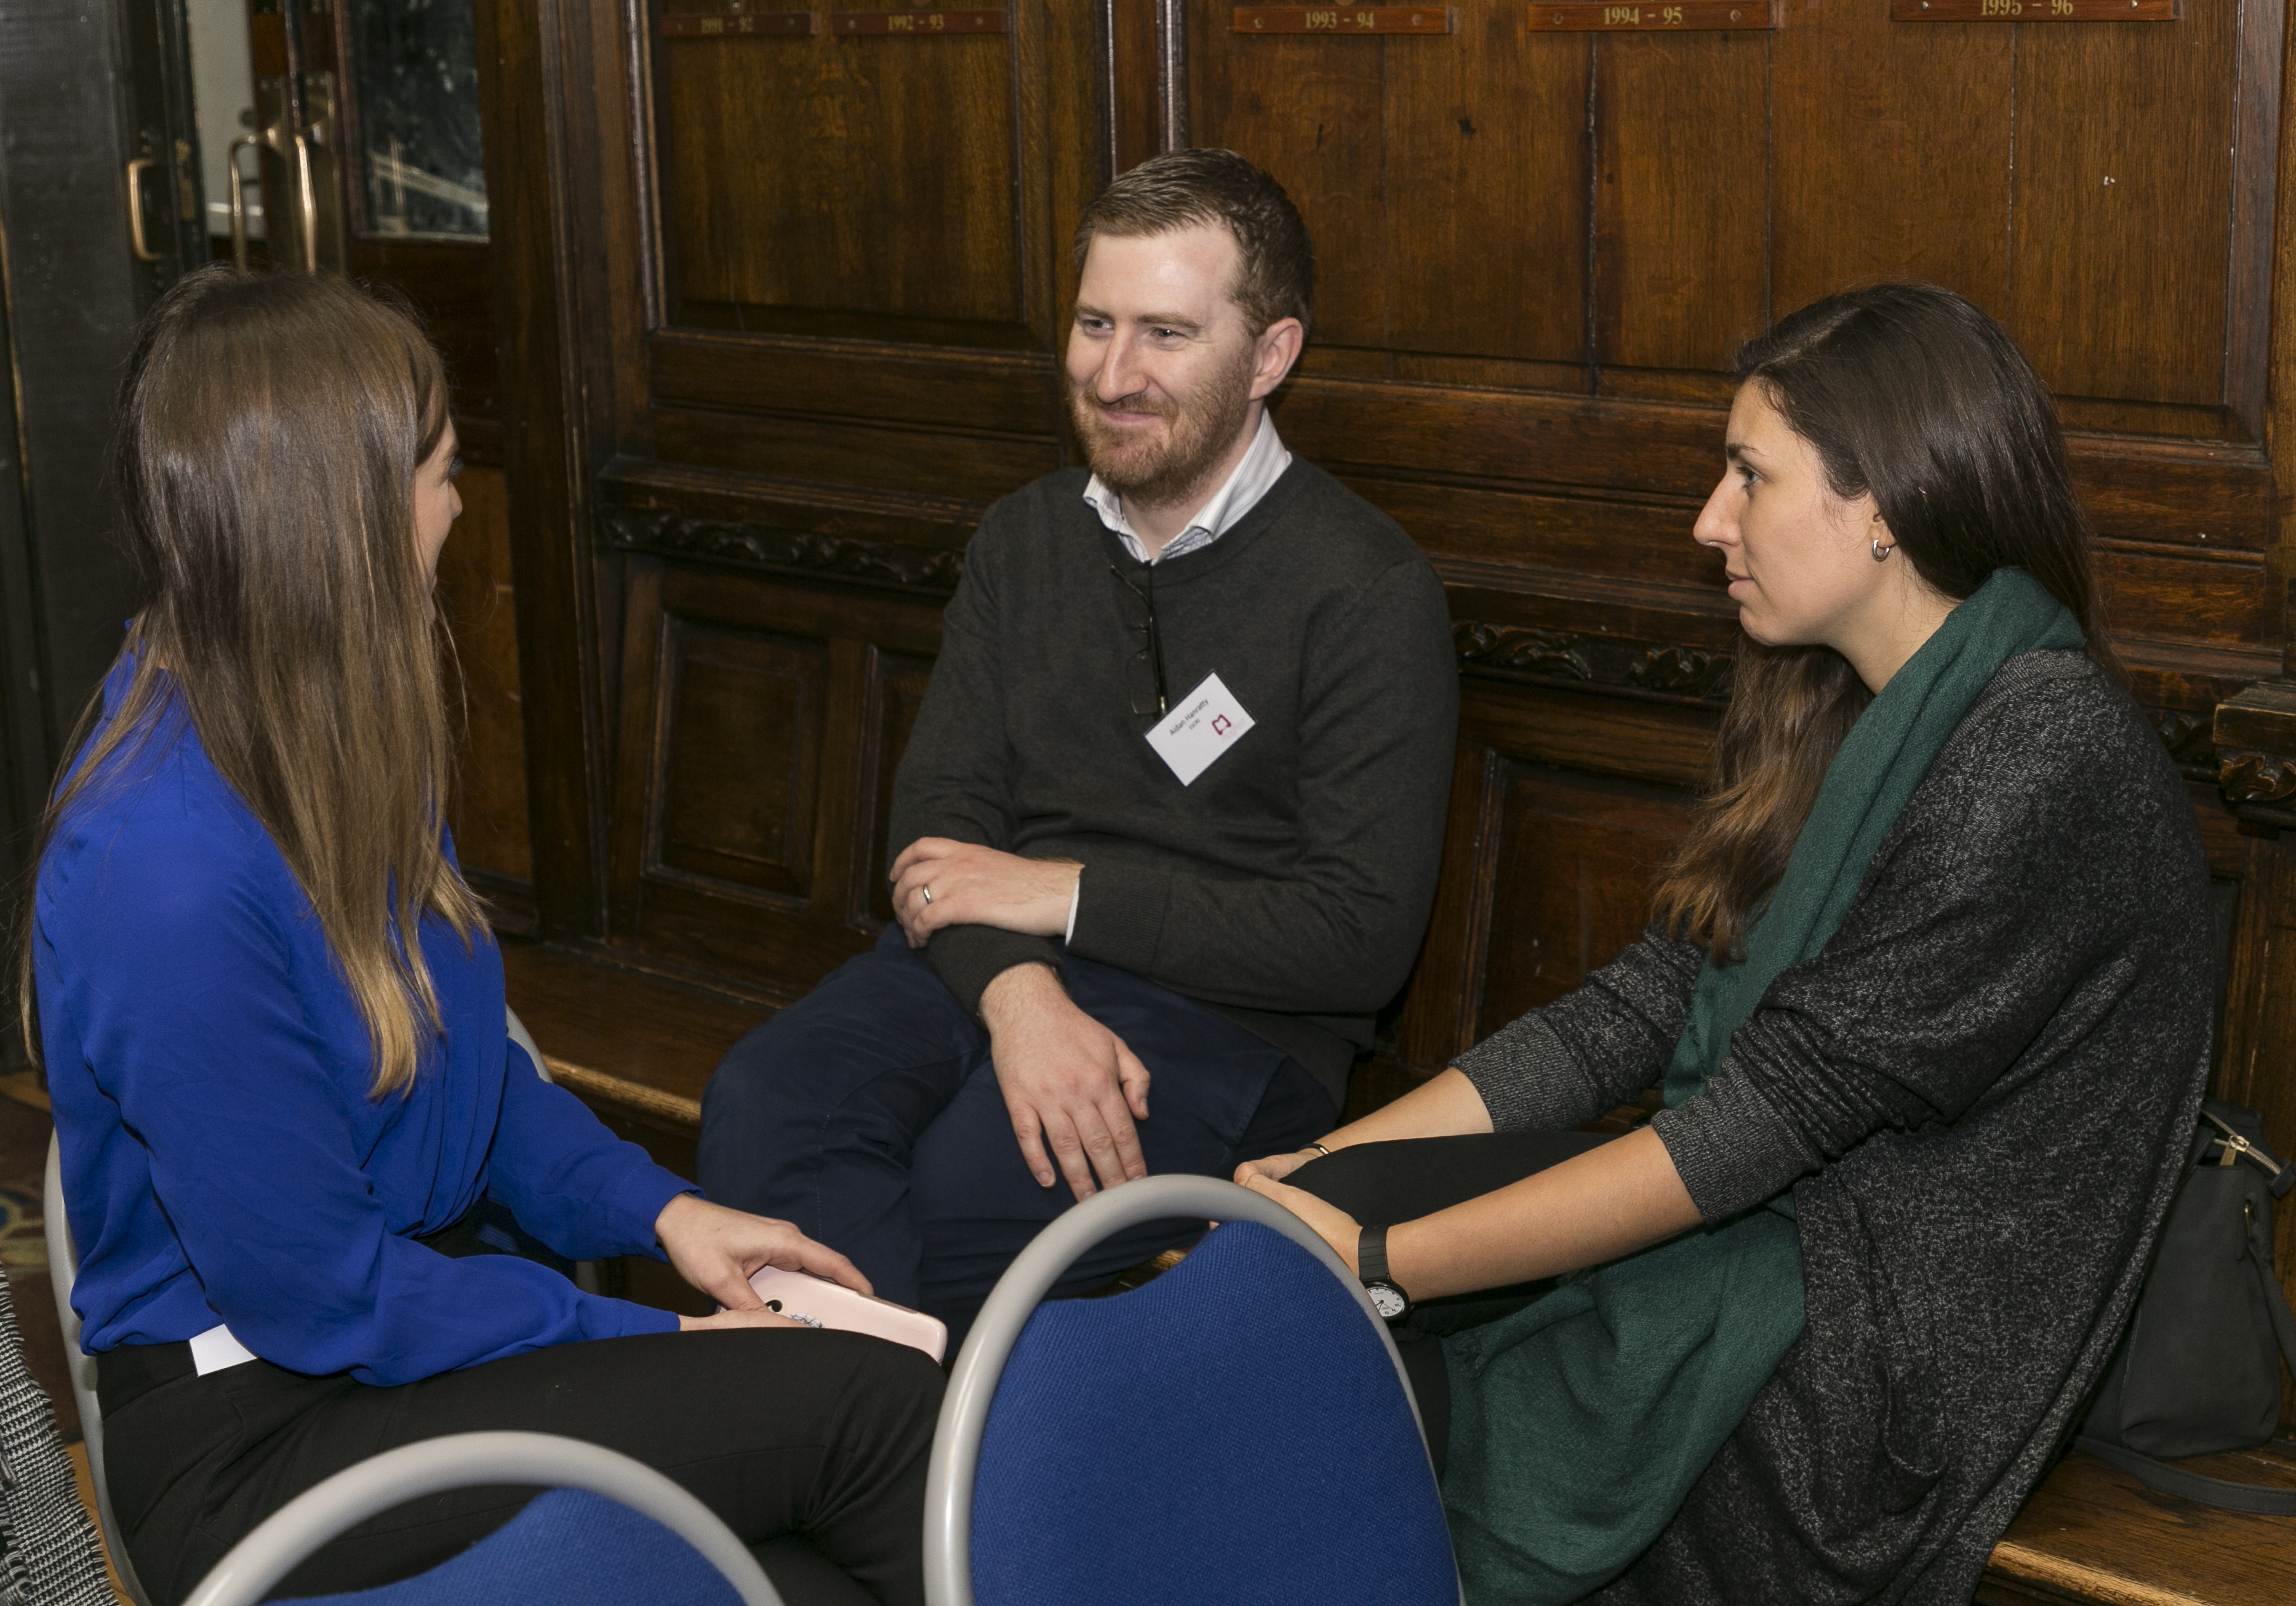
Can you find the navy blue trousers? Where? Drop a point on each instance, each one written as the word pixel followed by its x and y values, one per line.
pixel 868 1114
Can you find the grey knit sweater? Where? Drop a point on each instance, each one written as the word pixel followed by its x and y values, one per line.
pixel 1288 886
pixel 1978 1092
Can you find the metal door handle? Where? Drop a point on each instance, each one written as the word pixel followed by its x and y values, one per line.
pixel 239 195
pixel 137 168
pixel 307 199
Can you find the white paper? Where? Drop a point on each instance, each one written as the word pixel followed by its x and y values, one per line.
pixel 216 1350
pixel 1200 727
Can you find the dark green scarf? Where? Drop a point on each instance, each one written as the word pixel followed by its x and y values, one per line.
pixel 1580 1422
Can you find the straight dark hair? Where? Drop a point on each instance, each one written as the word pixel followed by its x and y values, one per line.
pixel 1910 393
pixel 270 428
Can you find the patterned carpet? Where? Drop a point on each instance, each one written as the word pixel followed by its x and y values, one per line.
pixel 23 1239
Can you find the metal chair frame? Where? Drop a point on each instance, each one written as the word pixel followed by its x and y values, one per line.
pixel 64 1270
pixel 463 1460
pixel 585 1272
pixel 972 1385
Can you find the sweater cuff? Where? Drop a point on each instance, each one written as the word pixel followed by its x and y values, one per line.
pixel 1123 926
pixel 639 1200
pixel 968 958
pixel 1525 1076
pixel 621 1318
pixel 1732 1149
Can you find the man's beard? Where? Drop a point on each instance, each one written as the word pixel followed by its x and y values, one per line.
pixel 1168 472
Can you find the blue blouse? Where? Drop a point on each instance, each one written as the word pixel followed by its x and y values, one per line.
pixel 222 1159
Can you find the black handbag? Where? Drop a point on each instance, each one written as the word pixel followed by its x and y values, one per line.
pixel 2199 1369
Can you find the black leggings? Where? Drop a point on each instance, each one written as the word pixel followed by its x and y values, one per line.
pixel 1381 1184
pixel 808 1445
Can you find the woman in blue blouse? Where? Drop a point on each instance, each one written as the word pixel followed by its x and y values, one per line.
pixel 273 1023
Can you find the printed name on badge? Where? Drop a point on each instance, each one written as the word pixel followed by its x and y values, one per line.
pixel 1201 725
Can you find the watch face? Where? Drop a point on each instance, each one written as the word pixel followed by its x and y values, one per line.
pixel 1386 1299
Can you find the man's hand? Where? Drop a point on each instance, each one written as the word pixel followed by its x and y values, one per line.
pixel 1069 1083
pixel 716 1249
pixel 937 882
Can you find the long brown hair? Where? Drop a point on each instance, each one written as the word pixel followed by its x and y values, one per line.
pixel 270 428
pixel 1911 393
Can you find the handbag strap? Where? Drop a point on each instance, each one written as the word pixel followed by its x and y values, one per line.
pixel 2219 1492
pixel 2222 1493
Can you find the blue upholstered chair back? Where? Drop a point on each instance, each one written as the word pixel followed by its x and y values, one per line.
pixel 569 1548
pixel 611 1531
pixel 1235 1430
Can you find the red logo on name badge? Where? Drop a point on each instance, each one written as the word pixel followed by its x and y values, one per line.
pixel 1219 724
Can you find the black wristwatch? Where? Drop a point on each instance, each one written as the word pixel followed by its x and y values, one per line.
pixel 1387 1295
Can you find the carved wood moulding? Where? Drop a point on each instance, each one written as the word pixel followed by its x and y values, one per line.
pixel 1533 653
pixel 2254 771
pixel 1541 654
pixel 673 534
pixel 2190 738
pixel 2255 739
pixel 2255 778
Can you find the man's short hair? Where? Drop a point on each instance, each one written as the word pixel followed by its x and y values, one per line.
pixel 1183 189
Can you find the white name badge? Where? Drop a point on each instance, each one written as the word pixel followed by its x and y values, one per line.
pixel 1201 725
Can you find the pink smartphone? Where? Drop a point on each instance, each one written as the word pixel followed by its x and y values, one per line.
pixel 818 1302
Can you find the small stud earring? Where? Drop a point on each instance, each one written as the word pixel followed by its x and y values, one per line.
pixel 1881 553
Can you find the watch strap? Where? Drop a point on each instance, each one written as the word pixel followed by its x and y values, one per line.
pixel 1370 1255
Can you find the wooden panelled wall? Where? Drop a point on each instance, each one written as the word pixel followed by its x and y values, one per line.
pixel 785 300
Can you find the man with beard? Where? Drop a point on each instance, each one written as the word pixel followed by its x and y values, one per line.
pixel 1168 822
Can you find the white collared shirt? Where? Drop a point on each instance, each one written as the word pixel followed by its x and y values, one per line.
pixel 1264 463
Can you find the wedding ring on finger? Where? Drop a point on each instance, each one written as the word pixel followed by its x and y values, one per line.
pixel 928 892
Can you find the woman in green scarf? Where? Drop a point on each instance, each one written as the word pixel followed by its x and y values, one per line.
pixel 1928 993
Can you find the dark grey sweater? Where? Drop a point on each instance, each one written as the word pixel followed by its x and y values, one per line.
pixel 1979 1092
pixel 1289 887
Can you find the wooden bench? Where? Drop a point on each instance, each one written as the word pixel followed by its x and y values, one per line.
pixel 639 1045
pixel 2091 1533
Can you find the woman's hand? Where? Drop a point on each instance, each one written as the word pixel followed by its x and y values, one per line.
pixel 1334 1226
pixel 724 1319
pixel 1275 1168
pixel 716 1249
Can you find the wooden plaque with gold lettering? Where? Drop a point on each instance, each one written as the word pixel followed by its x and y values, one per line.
pixel 1691 16
pixel 2035 11
pixel 921 24
pixel 1350 19
pixel 736 20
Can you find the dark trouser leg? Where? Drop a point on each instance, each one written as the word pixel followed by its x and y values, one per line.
pixel 1216 1095
pixel 1381 1184
pixel 815 1116
pixel 821 1434
pixel 868 1113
